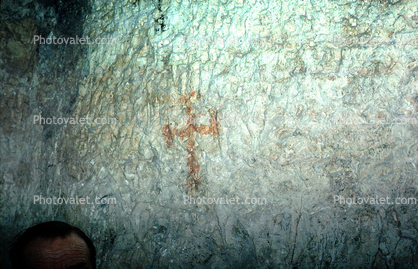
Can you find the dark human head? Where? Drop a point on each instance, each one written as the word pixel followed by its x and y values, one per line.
pixel 53 245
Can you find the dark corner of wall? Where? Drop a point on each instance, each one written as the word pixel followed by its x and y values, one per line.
pixel 56 67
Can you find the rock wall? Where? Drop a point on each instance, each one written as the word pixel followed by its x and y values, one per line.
pixel 294 110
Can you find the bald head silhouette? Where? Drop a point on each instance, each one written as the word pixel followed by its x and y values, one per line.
pixel 53 245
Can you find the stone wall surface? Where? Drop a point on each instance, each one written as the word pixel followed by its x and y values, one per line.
pixel 297 106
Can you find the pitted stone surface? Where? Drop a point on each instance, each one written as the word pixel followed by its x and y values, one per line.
pixel 315 101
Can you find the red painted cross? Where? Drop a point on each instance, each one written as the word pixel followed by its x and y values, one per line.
pixel 190 131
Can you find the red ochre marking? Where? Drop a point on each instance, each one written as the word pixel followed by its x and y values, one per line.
pixel 190 131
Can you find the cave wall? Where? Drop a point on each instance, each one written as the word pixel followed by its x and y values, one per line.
pixel 290 103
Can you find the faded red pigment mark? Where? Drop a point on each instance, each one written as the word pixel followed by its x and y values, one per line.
pixel 190 131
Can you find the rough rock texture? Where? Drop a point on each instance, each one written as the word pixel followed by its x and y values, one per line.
pixel 18 49
pixel 290 103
